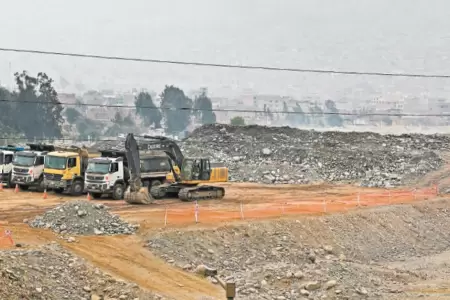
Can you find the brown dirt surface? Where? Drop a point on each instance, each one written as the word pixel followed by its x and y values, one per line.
pixel 126 258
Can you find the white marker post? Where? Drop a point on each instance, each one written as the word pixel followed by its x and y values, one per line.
pixel 165 218
pixel 196 212
pixel 242 211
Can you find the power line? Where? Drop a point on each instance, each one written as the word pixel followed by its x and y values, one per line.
pixel 227 110
pixel 215 65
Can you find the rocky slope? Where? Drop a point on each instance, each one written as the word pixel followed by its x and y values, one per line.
pixel 51 273
pixel 369 254
pixel 287 155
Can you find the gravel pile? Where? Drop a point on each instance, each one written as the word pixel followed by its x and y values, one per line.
pixel 51 273
pixel 287 155
pixel 82 218
pixel 333 257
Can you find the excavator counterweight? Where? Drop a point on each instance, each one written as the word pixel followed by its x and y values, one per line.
pixel 135 193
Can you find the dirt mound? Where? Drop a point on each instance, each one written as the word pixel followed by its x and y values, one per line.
pixel 352 256
pixel 288 155
pixel 49 272
pixel 82 218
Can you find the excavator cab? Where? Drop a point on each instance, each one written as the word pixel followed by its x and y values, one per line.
pixel 196 169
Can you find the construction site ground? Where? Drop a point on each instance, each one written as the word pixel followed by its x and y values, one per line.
pixel 127 258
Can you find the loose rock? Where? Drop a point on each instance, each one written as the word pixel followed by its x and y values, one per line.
pixel 82 218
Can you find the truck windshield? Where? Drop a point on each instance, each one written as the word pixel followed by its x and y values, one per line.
pixel 1 158
pixel 55 162
pixel 22 160
pixel 97 168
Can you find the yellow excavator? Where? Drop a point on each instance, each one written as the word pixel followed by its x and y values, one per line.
pixel 189 178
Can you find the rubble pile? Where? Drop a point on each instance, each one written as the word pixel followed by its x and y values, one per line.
pixel 82 218
pixel 50 272
pixel 287 155
pixel 334 257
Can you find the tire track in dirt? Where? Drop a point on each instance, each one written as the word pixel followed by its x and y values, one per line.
pixel 126 258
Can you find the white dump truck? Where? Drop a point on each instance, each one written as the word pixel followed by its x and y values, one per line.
pixel 107 174
pixel 6 163
pixel 28 166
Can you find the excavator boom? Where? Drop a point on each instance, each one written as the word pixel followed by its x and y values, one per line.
pixel 165 144
pixel 136 193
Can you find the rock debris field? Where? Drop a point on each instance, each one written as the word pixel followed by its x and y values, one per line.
pixel 82 218
pixel 337 257
pixel 50 272
pixel 288 155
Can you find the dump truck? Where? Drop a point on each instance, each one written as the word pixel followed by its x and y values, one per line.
pixel 28 166
pixel 109 174
pixel 64 170
pixel 192 181
pixel 6 163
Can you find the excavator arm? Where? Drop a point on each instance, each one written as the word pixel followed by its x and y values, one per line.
pixel 132 153
pixel 136 193
pixel 162 143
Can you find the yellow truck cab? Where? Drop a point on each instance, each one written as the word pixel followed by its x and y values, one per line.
pixel 64 171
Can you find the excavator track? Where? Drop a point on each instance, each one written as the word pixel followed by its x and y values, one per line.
pixel 201 192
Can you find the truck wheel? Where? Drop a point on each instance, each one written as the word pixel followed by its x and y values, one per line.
pixel 96 195
pixel 40 185
pixel 24 187
pixel 158 193
pixel 58 191
pixel 8 181
pixel 156 183
pixel 118 192
pixel 77 188
pixel 152 184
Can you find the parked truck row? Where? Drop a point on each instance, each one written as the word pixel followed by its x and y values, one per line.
pixel 74 170
pixel 157 163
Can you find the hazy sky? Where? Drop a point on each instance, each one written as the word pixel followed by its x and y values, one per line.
pixel 371 35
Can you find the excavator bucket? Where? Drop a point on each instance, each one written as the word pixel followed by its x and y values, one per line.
pixel 141 197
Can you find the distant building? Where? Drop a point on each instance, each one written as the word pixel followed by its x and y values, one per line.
pixel 67 98
pixel 438 106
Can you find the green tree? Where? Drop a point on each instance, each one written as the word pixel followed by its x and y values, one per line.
pixel 203 108
pixel 176 108
pixel 298 117
pixel 333 118
pixel 268 113
pixel 147 110
pixel 72 115
pixel 89 128
pixel 118 119
pixel 128 121
pixel 316 117
pixel 8 120
pixel 237 121
pixel 38 106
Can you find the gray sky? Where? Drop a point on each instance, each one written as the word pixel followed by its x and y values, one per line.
pixel 371 35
